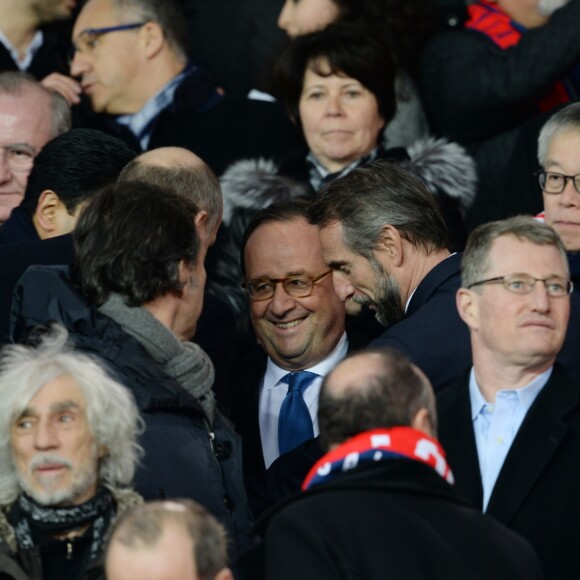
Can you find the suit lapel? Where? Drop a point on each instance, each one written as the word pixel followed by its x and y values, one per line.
pixel 458 440
pixel 535 444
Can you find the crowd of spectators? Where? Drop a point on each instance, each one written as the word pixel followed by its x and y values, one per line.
pixel 287 289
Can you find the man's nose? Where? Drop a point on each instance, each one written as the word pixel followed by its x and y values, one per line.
pixel 46 436
pixel 342 286
pixel 281 301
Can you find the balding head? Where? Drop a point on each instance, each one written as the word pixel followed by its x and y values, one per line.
pixel 187 175
pixel 374 389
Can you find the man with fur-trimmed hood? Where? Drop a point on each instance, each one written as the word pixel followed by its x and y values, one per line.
pixel 67 452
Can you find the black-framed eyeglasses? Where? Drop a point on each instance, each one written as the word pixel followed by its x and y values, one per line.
pixel 554 182
pixel 299 286
pixel 556 286
pixel 86 41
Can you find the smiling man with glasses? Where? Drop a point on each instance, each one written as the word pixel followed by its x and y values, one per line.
pixel 511 424
pixel 299 321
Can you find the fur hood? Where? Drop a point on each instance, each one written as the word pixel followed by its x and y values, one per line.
pixel 254 184
pixel 444 167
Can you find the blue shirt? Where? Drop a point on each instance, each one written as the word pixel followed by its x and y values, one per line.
pixel 495 425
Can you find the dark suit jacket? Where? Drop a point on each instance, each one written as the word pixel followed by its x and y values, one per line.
pixel 432 334
pixel 394 519
pixel 537 490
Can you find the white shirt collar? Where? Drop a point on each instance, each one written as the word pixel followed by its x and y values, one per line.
pixel 274 373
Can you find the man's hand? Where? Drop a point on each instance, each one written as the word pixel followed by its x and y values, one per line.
pixel 66 86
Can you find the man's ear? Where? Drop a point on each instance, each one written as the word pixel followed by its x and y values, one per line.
pixel 468 307
pixel 390 242
pixel 45 213
pixel 201 221
pixel 422 421
pixel 152 39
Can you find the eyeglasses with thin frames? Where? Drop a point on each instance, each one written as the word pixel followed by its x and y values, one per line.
pixel 556 286
pixel 296 286
pixel 87 40
pixel 554 182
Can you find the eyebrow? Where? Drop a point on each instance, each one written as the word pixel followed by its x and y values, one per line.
pixel 55 408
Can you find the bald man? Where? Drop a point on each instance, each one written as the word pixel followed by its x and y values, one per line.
pixel 377 423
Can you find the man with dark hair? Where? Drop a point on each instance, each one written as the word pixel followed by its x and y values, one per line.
pixel 380 501
pixel 142 87
pixel 30 115
pixel 385 240
pixel 299 322
pixel 168 540
pixel 139 269
pixel 68 171
pixel 511 425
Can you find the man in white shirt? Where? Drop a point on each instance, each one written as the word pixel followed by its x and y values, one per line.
pixel 299 322
pixel 511 425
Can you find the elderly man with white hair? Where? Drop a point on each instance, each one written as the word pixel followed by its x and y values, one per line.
pixel 67 453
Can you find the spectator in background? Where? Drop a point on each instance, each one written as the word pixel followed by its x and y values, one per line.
pixel 66 173
pixel 338 87
pixel 510 62
pixel 30 116
pixel 142 87
pixel 559 156
pixel 403 26
pixel 168 540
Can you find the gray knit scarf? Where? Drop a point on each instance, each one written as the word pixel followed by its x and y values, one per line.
pixel 186 362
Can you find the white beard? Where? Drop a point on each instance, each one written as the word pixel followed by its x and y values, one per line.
pixel 548 7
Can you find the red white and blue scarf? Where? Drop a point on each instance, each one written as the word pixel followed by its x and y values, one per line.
pixel 380 445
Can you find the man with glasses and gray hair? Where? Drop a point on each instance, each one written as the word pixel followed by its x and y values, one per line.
pixel 559 157
pixel 511 424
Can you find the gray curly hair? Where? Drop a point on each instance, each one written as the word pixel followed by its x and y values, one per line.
pixel 112 414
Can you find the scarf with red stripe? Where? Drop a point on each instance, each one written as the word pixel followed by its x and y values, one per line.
pixel 379 445
pixel 492 21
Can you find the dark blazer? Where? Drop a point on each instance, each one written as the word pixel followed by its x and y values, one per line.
pixel 432 334
pixel 394 519
pixel 537 490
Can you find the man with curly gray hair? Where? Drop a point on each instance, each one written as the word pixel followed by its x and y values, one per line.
pixel 68 452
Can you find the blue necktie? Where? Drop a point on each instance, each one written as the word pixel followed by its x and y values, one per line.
pixel 294 422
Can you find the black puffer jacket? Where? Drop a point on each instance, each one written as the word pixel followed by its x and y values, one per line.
pixel 184 456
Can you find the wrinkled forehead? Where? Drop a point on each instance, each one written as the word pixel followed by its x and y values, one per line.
pixel 510 254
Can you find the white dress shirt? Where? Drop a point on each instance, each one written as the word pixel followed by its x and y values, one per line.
pixel 273 392
pixel 496 425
